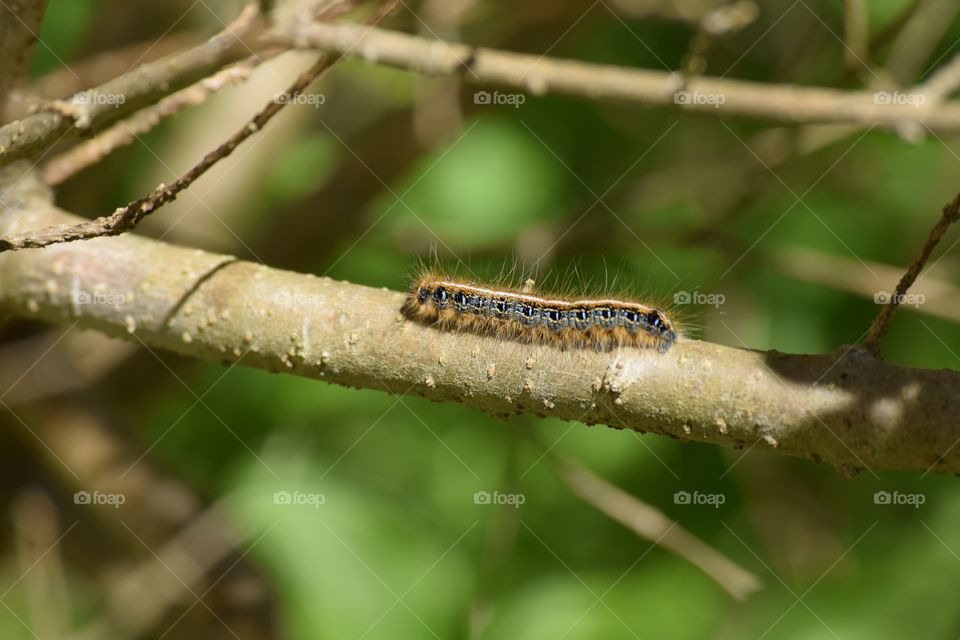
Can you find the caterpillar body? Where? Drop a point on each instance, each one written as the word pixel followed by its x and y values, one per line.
pixel 565 322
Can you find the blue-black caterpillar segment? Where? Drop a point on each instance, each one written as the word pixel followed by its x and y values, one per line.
pixel 602 324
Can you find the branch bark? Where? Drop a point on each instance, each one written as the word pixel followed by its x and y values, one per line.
pixel 541 75
pixel 848 409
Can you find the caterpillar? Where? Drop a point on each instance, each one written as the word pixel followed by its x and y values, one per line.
pixel 509 313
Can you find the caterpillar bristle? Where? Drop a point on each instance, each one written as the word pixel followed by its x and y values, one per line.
pixel 516 313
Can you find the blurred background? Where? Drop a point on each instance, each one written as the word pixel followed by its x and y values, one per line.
pixel 149 496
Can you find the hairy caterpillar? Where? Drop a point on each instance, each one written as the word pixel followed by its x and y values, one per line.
pixel 601 323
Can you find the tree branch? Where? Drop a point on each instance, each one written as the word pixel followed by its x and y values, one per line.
pixel 856 33
pixel 848 409
pixel 120 134
pixel 541 75
pixel 90 111
pixel 648 522
pixel 126 218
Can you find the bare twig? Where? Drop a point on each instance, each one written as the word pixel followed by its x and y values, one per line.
pixel 917 40
pixel 943 81
pixel 126 218
pixel 648 522
pixel 857 31
pixel 126 132
pixel 540 75
pixel 63 82
pixel 882 322
pixel 90 111
pixel 848 409
pixel 20 22
pixel 893 28
pixel 936 297
pixel 716 17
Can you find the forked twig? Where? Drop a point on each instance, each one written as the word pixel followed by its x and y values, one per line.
pixel 126 218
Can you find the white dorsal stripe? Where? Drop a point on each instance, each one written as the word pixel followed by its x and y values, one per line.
pixel 539 301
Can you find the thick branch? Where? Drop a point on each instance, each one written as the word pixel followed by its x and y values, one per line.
pixel 851 410
pixel 92 110
pixel 540 75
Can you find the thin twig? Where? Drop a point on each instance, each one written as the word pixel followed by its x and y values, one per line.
pixel 916 41
pixel 541 75
pixel 650 523
pixel 933 296
pixel 98 68
pixel 126 132
pixel 857 33
pixel 128 217
pixel 881 323
pixel 943 81
pixel 90 111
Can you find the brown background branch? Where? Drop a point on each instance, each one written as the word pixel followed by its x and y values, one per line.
pixel 880 325
pixel 20 22
pixel 542 75
pixel 142 87
pixel 126 218
pixel 123 133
